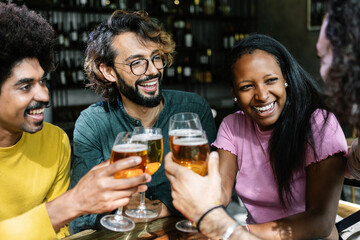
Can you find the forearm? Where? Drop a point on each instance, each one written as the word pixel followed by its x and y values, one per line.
pixel 215 224
pixel 63 209
pixel 306 225
pixel 226 193
pixel 228 169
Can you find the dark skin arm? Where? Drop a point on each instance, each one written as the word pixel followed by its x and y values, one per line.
pixel 325 180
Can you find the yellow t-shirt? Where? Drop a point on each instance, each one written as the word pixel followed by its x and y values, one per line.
pixel 32 172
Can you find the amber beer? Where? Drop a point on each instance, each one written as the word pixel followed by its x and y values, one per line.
pixel 122 151
pixel 154 151
pixel 191 153
pixel 180 133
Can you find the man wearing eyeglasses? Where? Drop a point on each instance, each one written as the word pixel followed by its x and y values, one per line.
pixel 125 60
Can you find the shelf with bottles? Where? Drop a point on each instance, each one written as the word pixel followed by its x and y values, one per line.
pixel 204 31
pixel 203 9
pixel 201 50
pixel 69 72
pixel 86 6
pixel 214 9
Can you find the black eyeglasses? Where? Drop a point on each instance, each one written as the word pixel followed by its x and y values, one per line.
pixel 140 66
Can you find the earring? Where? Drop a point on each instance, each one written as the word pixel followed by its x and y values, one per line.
pixel 286 84
pixel 235 99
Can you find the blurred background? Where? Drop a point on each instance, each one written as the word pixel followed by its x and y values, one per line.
pixel 204 31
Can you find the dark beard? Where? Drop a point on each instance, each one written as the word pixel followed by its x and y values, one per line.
pixel 134 95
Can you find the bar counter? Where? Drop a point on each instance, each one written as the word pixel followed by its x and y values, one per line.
pixel 161 229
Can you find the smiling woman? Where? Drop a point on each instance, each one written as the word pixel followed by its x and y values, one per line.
pixel 281 146
pixel 261 93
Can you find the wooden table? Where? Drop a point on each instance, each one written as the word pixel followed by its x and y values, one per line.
pixel 161 229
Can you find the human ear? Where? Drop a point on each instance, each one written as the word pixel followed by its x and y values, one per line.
pixel 107 72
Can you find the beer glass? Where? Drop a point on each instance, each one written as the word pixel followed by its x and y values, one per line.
pixel 190 148
pixel 125 146
pixel 154 139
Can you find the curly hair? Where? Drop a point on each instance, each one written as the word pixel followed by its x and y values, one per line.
pixel 24 34
pixel 99 48
pixel 343 32
pixel 303 96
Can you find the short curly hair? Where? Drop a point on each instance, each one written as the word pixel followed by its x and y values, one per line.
pixel 99 48
pixel 24 34
pixel 343 32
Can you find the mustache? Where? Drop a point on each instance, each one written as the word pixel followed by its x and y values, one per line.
pixel 38 105
pixel 158 75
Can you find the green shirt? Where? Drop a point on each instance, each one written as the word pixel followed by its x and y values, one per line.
pixel 98 125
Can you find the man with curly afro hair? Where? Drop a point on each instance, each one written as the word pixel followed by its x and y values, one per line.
pixel 35 155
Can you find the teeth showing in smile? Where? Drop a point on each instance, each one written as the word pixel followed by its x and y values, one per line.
pixel 150 84
pixel 264 108
pixel 36 111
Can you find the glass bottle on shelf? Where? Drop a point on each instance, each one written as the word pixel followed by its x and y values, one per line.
pixel 80 72
pixel 198 10
pixel 188 36
pixel 187 73
pixel 83 31
pixel 74 37
pixel 224 7
pixel 170 74
pixel 179 75
pixel 209 7
pixel 208 73
pixel 225 38
pixel 122 4
pixel 73 72
pixel 63 72
pixel 179 25
pixel 231 37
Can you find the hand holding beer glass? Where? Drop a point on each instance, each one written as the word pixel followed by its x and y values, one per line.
pixel 154 139
pixel 190 148
pixel 125 146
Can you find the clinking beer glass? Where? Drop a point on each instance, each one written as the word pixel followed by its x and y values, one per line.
pixel 190 148
pixel 125 146
pixel 154 139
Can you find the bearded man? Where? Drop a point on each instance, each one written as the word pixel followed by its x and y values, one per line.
pixel 125 60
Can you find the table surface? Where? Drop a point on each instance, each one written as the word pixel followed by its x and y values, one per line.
pixel 161 229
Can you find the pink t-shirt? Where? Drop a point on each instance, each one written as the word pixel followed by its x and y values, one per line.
pixel 255 183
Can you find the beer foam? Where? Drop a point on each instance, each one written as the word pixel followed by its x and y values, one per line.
pixel 185 132
pixel 190 141
pixel 147 137
pixel 130 147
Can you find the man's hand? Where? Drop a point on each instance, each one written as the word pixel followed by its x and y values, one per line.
pixel 97 192
pixel 193 194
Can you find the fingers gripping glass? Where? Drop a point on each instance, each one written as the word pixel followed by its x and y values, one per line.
pixel 154 138
pixel 125 146
pixel 140 66
pixel 190 149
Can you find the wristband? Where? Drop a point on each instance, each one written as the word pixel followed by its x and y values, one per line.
pixel 202 216
pixel 229 231
pixel 247 227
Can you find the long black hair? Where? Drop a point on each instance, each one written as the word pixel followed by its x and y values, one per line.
pixel 292 132
pixel 343 32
